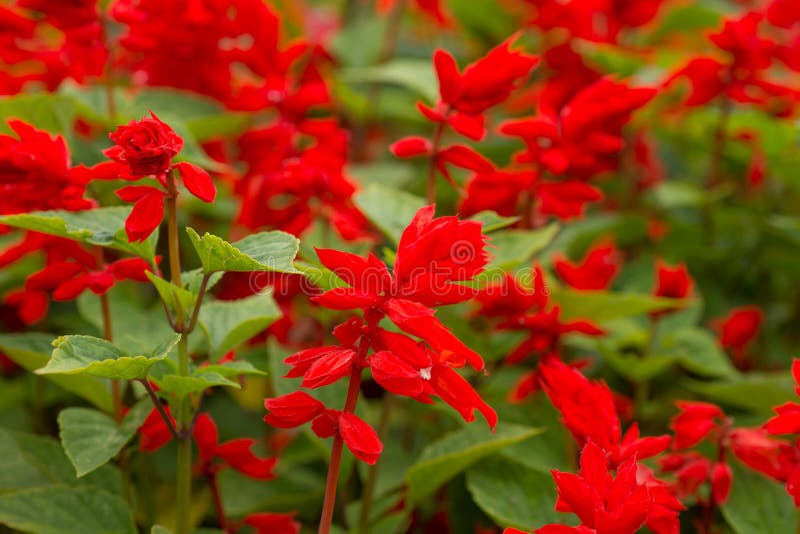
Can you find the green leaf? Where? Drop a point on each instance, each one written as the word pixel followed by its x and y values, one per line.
pixel 158 529
pixel 697 351
pixel 58 509
pixel 264 251
pixel 97 357
pixel 91 438
pixel 53 113
pixel 452 454
pixel 234 369
pixel 513 494
pixel 177 299
pixel 757 392
pixel 31 351
pixel 511 248
pixel 492 221
pixel 104 227
pixel 181 386
pixel 758 504
pixel 228 323
pixel 414 74
pixel 390 210
pixel 603 306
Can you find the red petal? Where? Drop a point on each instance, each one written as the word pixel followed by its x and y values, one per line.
pixel 360 438
pixel 197 181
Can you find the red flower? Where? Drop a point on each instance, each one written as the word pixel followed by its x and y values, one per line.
pixel 596 271
pixel 236 453
pixel 299 408
pixel 589 412
pixel 484 83
pixel 695 421
pixel 146 146
pixel 273 523
pixel 672 282
pixel 739 327
pixel 609 505
pixel 154 432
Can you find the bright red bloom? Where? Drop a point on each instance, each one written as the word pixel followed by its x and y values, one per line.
pixel 154 432
pixel 596 271
pixel 433 256
pixel 695 421
pixel 236 453
pixel 273 523
pixel 525 310
pixel 776 459
pixel 484 83
pixel 618 505
pixel 589 412
pixel 146 146
pixel 299 408
pixel 739 327
pixel 592 20
pixel 432 8
pixel 408 368
pixel 36 174
pixel 672 282
pixel 787 420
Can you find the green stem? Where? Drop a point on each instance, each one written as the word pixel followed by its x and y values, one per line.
pixel 183 483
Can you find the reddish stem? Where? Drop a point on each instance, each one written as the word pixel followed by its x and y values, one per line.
pixel 336 452
pixel 220 511
pixel 437 140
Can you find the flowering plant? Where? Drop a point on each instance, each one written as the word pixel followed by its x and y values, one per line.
pixel 399 266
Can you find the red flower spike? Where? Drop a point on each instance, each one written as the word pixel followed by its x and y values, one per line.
pixel 273 523
pixel 146 146
pixel 360 438
pixel 294 409
pixel 197 181
pixel 596 271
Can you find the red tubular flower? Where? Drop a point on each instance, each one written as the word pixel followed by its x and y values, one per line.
pixel 360 438
pixel 292 410
pixel 596 271
pixel 273 523
pixel 408 368
pixel 589 412
pixel 433 256
pixel 147 213
pixel 484 83
pixel 672 282
pixel 544 327
pixel 739 327
pixel 721 479
pixel 146 146
pixel 608 505
pixel 236 453
pixel 36 172
pixel 154 432
pixel 695 421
